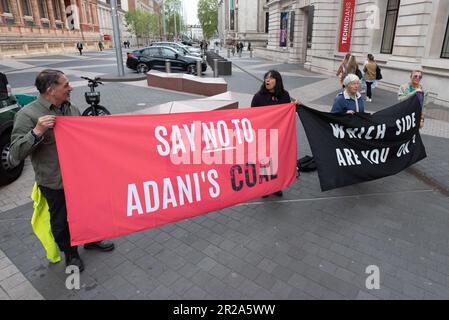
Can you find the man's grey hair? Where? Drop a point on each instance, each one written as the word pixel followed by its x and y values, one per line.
pixel 46 78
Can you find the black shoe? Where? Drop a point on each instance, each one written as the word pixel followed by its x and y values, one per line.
pixel 73 259
pixel 278 193
pixel 104 246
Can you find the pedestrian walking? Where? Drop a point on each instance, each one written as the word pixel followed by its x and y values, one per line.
pixel 347 66
pixel 369 69
pixel 79 46
pixel 249 46
pixel 349 100
pixel 413 87
pixel 33 136
pixel 100 45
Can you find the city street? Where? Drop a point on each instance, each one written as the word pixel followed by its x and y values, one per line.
pixel 307 245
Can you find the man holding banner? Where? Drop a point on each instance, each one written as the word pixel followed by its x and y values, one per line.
pixel 33 135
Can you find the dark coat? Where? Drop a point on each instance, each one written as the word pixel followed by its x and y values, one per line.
pixel 262 99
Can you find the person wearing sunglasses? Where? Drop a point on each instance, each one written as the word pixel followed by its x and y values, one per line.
pixel 408 89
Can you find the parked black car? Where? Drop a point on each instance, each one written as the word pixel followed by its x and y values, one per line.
pixel 8 109
pixel 154 58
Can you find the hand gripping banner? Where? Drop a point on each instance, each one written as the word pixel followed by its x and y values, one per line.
pixel 350 149
pixel 123 174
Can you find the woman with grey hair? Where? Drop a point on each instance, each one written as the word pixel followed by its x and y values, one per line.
pixel 349 100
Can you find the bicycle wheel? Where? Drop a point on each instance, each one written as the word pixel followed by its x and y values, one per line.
pixel 100 111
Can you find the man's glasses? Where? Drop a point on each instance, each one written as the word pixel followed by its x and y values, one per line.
pixel 417 76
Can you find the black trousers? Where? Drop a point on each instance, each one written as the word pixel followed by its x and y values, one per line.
pixel 368 89
pixel 58 217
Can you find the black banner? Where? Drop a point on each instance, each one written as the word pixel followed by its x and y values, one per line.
pixel 350 149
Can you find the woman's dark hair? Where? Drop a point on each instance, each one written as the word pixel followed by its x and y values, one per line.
pixel 370 57
pixel 46 78
pixel 279 90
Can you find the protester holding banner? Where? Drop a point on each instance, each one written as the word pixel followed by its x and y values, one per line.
pixel 370 76
pixel 33 135
pixel 349 100
pixel 414 86
pixel 271 92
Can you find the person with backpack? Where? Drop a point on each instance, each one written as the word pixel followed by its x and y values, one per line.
pixel 370 70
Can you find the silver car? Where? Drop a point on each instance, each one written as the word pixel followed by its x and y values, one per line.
pixel 185 50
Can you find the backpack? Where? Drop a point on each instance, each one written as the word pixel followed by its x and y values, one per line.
pixel 306 164
pixel 378 73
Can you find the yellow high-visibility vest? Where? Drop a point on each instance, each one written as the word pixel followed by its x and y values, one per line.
pixel 41 225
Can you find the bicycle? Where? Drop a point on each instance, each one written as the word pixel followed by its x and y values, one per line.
pixel 93 98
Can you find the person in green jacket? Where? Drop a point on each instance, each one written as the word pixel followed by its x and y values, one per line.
pixel 33 136
pixel 410 88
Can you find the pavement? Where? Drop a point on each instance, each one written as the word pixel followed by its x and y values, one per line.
pixel 307 245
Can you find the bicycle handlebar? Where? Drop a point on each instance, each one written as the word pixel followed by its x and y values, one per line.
pixel 93 81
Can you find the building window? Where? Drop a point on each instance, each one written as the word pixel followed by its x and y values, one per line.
pixel 26 11
pixel 390 26
pixel 445 51
pixel 43 9
pixel 57 9
pixel 5 6
pixel 267 21
pixel 88 15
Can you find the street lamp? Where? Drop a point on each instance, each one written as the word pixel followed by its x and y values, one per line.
pixel 118 46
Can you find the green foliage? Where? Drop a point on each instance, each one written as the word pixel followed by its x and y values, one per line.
pixel 142 24
pixel 208 17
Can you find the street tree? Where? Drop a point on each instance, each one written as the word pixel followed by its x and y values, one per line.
pixel 171 9
pixel 142 24
pixel 208 17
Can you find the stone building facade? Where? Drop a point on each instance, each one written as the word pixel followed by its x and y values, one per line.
pixel 403 35
pixel 46 26
pixel 243 20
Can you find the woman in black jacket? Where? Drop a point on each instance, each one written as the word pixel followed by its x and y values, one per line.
pixel 271 92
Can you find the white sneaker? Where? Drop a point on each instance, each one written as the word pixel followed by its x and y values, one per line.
pixel 368 100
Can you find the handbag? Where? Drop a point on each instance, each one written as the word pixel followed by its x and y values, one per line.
pixel 378 73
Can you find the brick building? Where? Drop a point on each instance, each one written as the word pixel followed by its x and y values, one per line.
pixel 46 26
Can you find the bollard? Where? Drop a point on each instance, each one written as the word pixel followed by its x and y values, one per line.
pixel 199 68
pixel 215 68
pixel 167 66
pixel 229 53
pixel 251 53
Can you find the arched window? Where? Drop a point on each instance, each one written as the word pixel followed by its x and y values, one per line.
pixel 445 51
pixel 56 9
pixel 5 6
pixel 43 10
pixel 26 9
pixel 390 26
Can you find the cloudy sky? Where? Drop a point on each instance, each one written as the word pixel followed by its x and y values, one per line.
pixel 190 7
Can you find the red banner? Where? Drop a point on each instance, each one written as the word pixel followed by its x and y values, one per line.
pixel 347 19
pixel 123 174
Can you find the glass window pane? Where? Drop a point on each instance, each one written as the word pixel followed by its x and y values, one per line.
pixel 445 51
pixel 57 9
pixel 5 4
pixel 393 5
